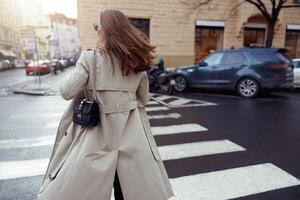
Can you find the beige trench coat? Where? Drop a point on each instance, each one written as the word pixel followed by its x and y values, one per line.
pixel 84 160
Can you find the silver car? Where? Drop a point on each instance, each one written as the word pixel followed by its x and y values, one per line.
pixel 297 72
pixel 5 64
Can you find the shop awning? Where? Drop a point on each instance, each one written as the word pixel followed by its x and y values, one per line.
pixel 7 53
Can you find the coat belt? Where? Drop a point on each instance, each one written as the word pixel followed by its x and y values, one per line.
pixel 115 108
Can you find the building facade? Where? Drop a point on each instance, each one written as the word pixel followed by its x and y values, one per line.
pixel 183 37
pixel 10 20
pixel 65 40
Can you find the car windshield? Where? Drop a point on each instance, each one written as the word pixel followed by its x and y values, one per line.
pixel 297 64
pixel 35 63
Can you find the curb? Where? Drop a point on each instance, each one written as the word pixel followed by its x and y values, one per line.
pixel 29 92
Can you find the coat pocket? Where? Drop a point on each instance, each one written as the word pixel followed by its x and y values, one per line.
pixel 148 132
pixel 53 174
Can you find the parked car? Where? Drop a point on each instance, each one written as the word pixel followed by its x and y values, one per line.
pixel 71 62
pixel 5 64
pixel 41 67
pixel 246 70
pixel 19 64
pixel 297 73
pixel 64 63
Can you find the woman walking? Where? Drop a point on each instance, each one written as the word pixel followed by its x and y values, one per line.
pixel 85 160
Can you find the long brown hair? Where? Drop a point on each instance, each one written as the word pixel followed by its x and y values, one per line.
pixel 120 38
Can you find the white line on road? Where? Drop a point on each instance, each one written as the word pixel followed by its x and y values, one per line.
pixel 37 115
pixel 175 129
pixel 23 168
pixel 217 185
pixel 163 97
pixel 180 101
pixel 49 140
pixel 233 183
pixel 156 108
pixel 152 103
pixel 28 142
pixel 185 150
pixel 167 116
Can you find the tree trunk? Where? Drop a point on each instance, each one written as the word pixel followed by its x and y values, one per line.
pixel 270 34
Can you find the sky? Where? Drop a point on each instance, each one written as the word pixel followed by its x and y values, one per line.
pixel 67 7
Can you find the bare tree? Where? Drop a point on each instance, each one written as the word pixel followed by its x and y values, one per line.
pixel 270 15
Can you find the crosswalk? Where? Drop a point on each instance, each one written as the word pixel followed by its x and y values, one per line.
pixel 213 185
pixel 175 101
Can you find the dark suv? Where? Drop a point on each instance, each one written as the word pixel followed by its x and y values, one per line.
pixel 246 70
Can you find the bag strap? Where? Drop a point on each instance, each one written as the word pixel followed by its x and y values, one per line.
pixel 92 75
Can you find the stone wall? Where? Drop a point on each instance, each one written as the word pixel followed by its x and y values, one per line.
pixel 172 30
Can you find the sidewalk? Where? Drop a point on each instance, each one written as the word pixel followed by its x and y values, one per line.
pixel 30 88
pixel 49 84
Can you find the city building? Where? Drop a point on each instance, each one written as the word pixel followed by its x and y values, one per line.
pixel 35 42
pixel 35 30
pixel 10 20
pixel 65 40
pixel 183 37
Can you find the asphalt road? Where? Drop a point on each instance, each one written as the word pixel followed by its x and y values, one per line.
pixel 214 145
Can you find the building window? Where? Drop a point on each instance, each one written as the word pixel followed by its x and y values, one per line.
pixel 142 24
pixel 296 1
pixel 292 43
pixel 254 36
pixel 207 39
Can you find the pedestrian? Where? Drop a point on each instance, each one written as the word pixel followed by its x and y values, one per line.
pixel 87 161
pixel 160 64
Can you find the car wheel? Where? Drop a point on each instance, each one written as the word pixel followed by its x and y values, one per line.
pixel 248 87
pixel 181 83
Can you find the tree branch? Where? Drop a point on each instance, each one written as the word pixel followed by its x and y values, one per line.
pixel 263 6
pixel 258 6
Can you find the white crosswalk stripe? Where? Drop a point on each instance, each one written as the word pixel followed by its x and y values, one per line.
pixel 215 185
pixel 176 129
pixel 25 168
pixel 232 183
pixel 166 116
pixel 49 140
pixel 177 151
pixel 156 108
pixel 174 101
pixel 152 103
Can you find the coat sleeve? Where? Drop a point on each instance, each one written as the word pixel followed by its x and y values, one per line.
pixel 142 92
pixel 73 84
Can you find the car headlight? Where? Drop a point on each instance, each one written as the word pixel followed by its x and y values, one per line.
pixel 190 70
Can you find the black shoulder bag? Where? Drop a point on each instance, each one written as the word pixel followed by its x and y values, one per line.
pixel 86 110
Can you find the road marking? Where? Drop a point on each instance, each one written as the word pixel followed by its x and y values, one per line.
pixel 163 97
pixel 32 126
pixel 156 108
pixel 49 140
pixel 175 129
pixel 167 116
pixel 24 168
pixel 28 142
pixel 233 183
pixel 178 151
pixel 180 101
pixel 152 103
pixel 223 184
pixel 37 115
